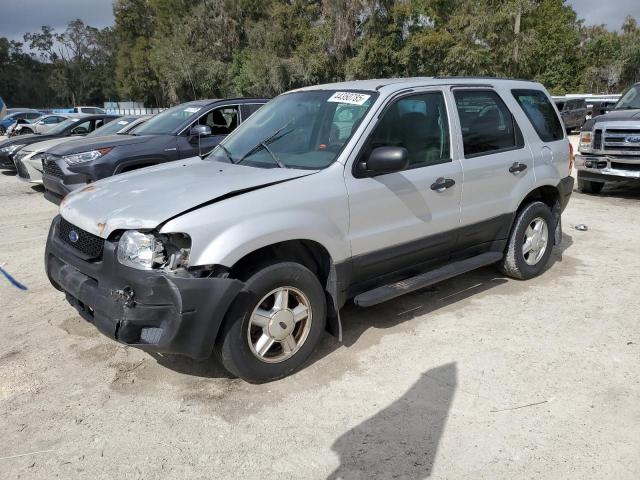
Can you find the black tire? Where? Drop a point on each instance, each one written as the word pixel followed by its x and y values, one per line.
pixel 232 346
pixel 25 131
pixel 514 263
pixel 2 130
pixel 588 186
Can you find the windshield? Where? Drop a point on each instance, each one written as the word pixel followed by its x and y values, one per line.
pixel 297 130
pixel 166 122
pixel 113 126
pixel 630 100
pixel 61 127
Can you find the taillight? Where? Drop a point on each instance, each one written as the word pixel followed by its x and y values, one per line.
pixel 571 157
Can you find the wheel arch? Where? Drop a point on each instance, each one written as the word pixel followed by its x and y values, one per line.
pixel 310 253
pixel 549 195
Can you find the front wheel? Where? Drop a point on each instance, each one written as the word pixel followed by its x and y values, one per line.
pixel 275 323
pixel 530 243
pixel 25 131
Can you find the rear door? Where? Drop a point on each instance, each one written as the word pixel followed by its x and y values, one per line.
pixel 497 169
pixel 402 221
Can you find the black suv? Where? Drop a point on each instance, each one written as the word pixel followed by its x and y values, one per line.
pixel 187 130
pixel 76 126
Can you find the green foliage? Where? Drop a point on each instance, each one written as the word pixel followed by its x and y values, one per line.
pixel 168 51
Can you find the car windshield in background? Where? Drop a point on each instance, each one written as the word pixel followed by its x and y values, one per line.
pixel 297 130
pixel 166 122
pixel 113 126
pixel 630 100
pixel 61 127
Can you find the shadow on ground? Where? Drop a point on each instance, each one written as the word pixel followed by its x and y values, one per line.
pixel 400 441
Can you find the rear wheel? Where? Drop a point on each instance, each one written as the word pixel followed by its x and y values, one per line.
pixel 588 186
pixel 275 323
pixel 530 243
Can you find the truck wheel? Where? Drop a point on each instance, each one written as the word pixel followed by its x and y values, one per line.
pixel 274 325
pixel 588 186
pixel 530 242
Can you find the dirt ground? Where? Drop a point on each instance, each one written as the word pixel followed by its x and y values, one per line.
pixel 478 377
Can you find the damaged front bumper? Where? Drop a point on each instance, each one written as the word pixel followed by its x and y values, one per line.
pixel 151 310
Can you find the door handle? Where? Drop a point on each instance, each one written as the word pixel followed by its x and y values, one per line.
pixel 441 184
pixel 517 168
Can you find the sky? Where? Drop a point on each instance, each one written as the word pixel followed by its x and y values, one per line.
pixel 18 17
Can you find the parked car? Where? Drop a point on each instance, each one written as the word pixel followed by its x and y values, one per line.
pixel 41 124
pixel 77 126
pixel 609 149
pixel 88 110
pixel 327 193
pixel 573 112
pixel 28 160
pixel 13 117
pixel 180 132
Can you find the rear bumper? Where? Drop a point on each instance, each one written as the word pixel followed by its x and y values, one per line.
pixel 151 310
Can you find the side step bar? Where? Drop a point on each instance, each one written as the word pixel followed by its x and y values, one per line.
pixel 393 290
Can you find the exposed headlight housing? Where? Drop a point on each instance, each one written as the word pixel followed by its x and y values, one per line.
pixel 146 251
pixel 11 148
pixel 83 157
pixel 585 144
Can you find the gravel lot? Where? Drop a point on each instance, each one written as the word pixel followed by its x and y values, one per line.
pixel 479 377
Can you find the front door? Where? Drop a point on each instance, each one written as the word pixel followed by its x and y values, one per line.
pixel 404 221
pixel 498 169
pixel 221 120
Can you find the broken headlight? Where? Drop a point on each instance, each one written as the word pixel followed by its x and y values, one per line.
pixel 146 251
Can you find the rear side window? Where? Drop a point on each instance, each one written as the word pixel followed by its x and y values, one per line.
pixel 249 109
pixel 487 124
pixel 540 113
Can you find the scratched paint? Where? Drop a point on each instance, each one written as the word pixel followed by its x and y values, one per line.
pixel 12 280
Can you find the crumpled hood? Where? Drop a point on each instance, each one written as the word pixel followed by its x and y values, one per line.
pixel 146 198
pixel 86 144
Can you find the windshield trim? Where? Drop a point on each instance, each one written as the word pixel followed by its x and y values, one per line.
pixel 375 96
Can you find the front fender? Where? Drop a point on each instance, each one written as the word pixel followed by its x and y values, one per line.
pixel 249 235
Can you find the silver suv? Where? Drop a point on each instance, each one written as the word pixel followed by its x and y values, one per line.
pixel 360 190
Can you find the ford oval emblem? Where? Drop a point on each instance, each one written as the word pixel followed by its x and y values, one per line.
pixel 73 236
pixel 633 139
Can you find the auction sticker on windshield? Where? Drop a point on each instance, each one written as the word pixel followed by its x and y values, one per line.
pixel 349 97
pixel 191 109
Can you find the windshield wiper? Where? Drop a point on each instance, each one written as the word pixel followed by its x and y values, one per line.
pixel 265 144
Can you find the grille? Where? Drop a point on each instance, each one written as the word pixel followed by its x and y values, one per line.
pixel 50 167
pixel 634 167
pixel 617 140
pixel 22 170
pixel 597 139
pixel 89 245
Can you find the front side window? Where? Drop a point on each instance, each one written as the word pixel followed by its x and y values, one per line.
pixel 82 128
pixel 540 113
pixel 486 122
pixel 304 129
pixel 221 121
pixel 418 123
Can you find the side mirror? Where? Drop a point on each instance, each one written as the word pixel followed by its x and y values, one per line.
pixel 200 131
pixel 384 160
